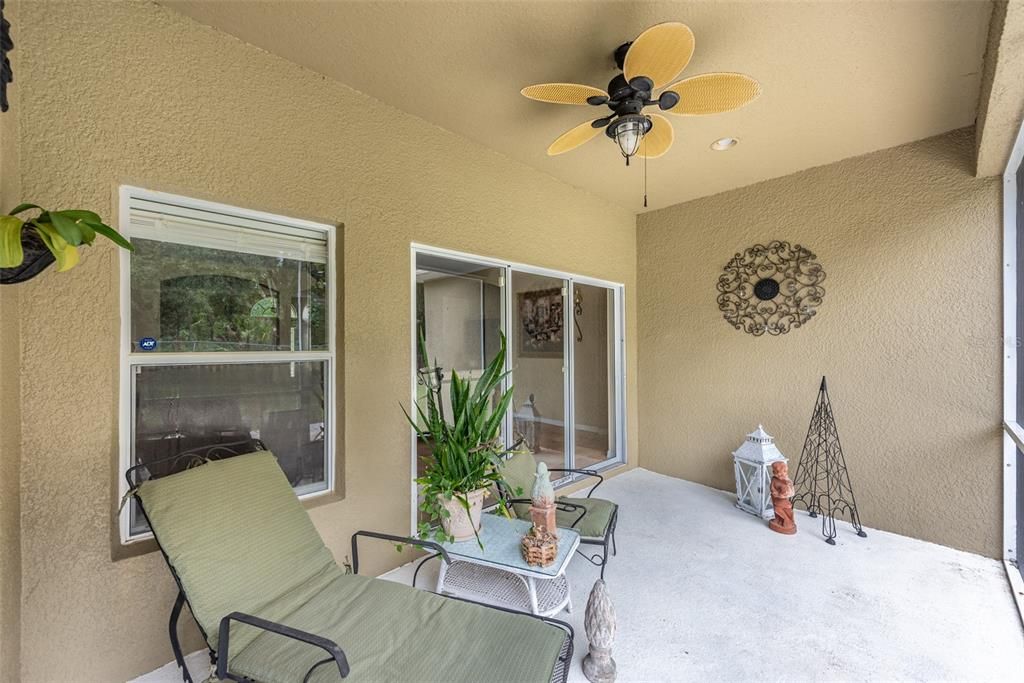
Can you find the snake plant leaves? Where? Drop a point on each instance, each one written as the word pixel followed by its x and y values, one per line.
pixel 11 252
pixel 466 449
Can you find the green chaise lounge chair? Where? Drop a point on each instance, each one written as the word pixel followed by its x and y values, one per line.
pixel 274 606
pixel 593 518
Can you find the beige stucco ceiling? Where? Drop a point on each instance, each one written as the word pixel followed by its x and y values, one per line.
pixel 840 78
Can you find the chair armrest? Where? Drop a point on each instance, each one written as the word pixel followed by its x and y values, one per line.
pixel 418 542
pixel 329 646
pixel 588 473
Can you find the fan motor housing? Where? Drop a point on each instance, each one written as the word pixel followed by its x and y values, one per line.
pixel 624 99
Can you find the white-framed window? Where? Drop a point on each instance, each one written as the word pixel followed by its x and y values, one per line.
pixel 227 338
pixel 565 352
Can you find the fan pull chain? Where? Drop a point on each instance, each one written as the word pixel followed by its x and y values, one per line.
pixel 645 174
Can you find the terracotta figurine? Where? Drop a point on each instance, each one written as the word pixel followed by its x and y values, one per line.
pixel 542 510
pixel 782 491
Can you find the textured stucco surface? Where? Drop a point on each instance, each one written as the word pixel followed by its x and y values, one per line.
pixel 908 335
pixel 1001 105
pixel 841 78
pixel 10 411
pixel 145 96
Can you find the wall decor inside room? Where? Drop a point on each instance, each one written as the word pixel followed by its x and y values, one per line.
pixel 771 288
pixel 542 315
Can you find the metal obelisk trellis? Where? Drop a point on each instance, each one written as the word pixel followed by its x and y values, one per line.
pixel 822 482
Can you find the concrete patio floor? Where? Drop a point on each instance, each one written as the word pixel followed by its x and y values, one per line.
pixel 705 592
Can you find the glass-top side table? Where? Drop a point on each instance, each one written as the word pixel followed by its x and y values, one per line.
pixel 498 575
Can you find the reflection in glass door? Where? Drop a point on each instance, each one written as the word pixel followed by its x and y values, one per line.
pixel 537 351
pixel 459 313
pixel 595 377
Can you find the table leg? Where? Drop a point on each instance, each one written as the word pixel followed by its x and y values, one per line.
pixel 532 586
pixel 568 590
pixel 440 577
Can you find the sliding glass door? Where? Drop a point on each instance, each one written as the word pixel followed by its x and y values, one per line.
pixel 537 351
pixel 595 375
pixel 564 354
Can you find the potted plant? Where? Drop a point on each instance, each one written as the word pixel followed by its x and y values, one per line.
pixel 27 247
pixel 465 451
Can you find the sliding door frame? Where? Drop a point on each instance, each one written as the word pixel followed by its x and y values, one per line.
pixel 1013 431
pixel 507 316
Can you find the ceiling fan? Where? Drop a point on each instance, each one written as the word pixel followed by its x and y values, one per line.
pixel 648 63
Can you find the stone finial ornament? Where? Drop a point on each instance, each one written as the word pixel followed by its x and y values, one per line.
pixel 599 621
pixel 543 491
pixel 782 490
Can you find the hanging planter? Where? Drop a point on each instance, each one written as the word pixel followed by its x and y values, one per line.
pixel 27 247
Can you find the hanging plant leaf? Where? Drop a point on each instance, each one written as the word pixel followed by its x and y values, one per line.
pixel 80 215
pixel 67 228
pixel 54 236
pixel 11 251
pixel 111 234
pixel 66 254
pixel 24 207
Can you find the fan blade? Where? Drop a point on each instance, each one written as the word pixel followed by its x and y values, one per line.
pixel 658 139
pixel 713 93
pixel 562 93
pixel 573 138
pixel 659 53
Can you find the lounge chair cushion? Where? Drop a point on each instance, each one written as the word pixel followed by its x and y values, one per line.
pixel 519 472
pixel 392 632
pixel 238 539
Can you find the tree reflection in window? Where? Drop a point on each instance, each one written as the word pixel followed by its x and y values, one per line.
pixel 216 312
pixel 198 299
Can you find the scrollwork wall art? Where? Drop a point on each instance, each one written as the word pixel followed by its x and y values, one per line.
pixel 771 289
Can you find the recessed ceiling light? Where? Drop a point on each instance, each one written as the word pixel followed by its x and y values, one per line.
pixel 723 144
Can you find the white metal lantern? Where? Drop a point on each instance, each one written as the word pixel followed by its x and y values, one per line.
pixel 754 473
pixel 525 423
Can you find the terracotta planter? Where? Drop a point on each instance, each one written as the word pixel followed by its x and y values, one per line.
pixel 460 525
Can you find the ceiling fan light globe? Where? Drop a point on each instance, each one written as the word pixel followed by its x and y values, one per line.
pixel 628 134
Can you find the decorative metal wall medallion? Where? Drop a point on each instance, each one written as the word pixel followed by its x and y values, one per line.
pixel 771 288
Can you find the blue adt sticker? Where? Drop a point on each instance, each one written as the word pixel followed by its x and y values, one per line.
pixel 147 343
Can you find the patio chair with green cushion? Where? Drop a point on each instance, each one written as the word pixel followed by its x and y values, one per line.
pixel 593 518
pixel 274 606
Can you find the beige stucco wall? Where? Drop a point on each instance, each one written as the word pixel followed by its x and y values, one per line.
pixel 10 410
pixel 144 96
pixel 908 335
